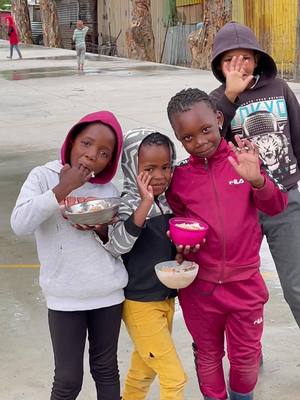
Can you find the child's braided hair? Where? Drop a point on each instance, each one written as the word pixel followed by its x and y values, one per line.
pixel 183 100
pixel 156 138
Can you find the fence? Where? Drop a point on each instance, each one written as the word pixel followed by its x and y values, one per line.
pixel 69 11
pixel 3 26
pixel 176 50
pixel 274 23
pixel 114 18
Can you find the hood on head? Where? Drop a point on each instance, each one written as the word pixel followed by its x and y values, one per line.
pixel 129 161
pixel 10 20
pixel 106 118
pixel 237 36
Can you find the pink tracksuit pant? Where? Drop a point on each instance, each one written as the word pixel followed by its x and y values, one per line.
pixel 233 310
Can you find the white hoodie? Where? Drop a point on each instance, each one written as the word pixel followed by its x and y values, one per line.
pixel 77 273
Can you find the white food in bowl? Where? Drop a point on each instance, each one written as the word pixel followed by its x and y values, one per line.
pixel 93 212
pixel 195 226
pixel 93 208
pixel 176 276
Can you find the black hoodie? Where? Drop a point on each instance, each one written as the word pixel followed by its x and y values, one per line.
pixel 268 113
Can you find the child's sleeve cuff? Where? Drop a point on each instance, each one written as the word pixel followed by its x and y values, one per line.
pixel 131 227
pixel 265 192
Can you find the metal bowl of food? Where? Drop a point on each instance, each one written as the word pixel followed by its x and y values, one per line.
pixel 93 212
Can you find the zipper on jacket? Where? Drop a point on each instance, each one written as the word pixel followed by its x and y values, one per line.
pixel 220 281
pixel 206 163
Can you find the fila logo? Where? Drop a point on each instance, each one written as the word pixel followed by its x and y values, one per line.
pixel 236 181
pixel 258 321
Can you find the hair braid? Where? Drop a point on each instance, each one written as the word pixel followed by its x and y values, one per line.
pixel 185 99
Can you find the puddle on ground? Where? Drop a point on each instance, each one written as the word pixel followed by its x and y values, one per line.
pixel 90 57
pixel 72 57
pixel 51 72
pixel 34 73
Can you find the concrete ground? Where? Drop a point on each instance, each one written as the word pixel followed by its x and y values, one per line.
pixel 41 97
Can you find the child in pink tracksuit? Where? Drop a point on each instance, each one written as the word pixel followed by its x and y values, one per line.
pixel 226 189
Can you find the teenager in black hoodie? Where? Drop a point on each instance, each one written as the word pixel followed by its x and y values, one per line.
pixel 261 107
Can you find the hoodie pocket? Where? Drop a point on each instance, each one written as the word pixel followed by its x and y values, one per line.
pixel 51 253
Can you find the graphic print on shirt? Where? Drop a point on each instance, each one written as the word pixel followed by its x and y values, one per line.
pixel 263 122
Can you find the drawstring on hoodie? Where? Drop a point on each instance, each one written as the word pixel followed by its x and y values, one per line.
pixel 158 205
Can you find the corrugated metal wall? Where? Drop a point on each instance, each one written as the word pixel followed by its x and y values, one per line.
pixel 180 3
pixel 191 14
pixel 274 23
pixel 115 15
pixel 160 25
pixel 68 14
pixel 69 11
pixel 88 13
pixel 177 51
pixel 3 26
pixel 238 11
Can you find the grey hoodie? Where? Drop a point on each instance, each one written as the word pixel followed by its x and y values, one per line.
pixel 144 247
pixel 76 273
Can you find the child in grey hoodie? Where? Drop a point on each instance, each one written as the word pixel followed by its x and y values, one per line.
pixel 140 237
pixel 82 283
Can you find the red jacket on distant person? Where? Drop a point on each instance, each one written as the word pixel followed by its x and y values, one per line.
pixel 12 31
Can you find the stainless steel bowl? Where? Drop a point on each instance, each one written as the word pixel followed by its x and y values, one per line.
pixel 93 212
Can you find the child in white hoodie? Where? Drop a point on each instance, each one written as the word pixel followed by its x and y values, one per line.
pixel 82 283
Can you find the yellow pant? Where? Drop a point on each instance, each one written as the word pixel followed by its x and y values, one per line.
pixel 149 325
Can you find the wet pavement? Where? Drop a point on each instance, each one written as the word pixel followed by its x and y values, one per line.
pixel 42 96
pixel 55 72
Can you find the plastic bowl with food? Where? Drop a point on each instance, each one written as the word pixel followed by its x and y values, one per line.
pixel 93 212
pixel 176 276
pixel 187 231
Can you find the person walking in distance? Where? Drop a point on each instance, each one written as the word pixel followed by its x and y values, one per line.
pixel 79 39
pixel 13 37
